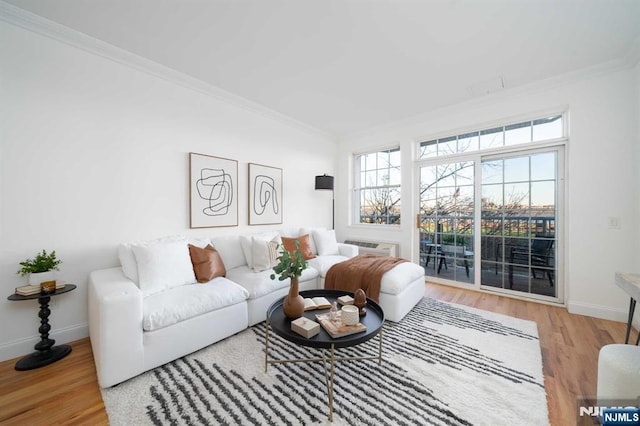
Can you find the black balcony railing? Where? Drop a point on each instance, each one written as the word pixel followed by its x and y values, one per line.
pixel 448 242
pixel 498 234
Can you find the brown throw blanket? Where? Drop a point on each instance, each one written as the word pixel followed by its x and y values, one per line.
pixel 363 271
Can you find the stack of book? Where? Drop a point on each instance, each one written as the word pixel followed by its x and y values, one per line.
pixel 29 290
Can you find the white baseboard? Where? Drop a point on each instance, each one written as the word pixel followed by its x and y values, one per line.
pixel 24 346
pixel 604 312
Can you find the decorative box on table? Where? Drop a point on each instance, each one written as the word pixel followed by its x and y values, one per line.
pixel 305 327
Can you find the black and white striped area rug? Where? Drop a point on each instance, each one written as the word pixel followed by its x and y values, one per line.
pixel 443 364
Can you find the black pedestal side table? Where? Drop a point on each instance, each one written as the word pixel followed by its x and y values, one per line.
pixel 45 353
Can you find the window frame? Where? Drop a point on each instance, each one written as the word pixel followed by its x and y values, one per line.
pixel 558 143
pixel 498 127
pixel 358 188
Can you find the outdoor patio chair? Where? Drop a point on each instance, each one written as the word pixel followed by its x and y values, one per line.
pixel 455 252
pixel 429 250
pixel 540 253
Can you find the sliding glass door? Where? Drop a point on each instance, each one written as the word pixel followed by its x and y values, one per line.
pixel 519 214
pixel 511 201
pixel 446 220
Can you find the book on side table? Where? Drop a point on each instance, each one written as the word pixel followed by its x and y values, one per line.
pixel 316 303
pixel 29 289
pixel 336 328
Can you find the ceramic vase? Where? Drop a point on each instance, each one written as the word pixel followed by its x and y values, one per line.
pixel 35 278
pixel 293 305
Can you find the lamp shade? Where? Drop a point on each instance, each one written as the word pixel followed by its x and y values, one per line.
pixel 324 182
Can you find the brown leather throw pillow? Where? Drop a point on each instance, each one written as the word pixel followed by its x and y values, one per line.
pixel 207 263
pixel 305 246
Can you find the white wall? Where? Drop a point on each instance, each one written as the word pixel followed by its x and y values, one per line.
pixel 637 72
pixel 94 153
pixel 602 181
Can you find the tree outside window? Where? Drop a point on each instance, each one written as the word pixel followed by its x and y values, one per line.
pixel 377 189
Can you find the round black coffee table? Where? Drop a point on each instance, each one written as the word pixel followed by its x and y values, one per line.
pixel 45 353
pixel 280 325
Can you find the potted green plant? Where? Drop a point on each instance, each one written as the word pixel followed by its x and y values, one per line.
pixel 40 268
pixel 291 265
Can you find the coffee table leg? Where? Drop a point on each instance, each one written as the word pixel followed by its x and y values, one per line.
pixel 330 386
pixel 380 348
pixel 266 345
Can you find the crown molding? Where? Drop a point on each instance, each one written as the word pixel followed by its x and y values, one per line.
pixel 21 18
pixel 550 83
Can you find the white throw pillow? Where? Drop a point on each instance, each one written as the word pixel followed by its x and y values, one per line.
pixel 164 265
pixel 326 242
pixel 264 253
pixel 246 241
pixel 128 261
pixel 128 258
pixel 230 250
pixel 289 232
pixel 198 241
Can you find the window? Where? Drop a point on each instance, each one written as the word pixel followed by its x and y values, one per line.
pixel 513 134
pixel 489 207
pixel 377 187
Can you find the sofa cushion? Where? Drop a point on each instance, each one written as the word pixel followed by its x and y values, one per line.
pixel 325 241
pixel 181 303
pixel 312 242
pixel 230 250
pixel 162 266
pixel 128 258
pixel 264 254
pixel 290 231
pixel 207 263
pixel 258 283
pixel 304 246
pixel 323 263
pixel 246 242
pixel 198 242
pixel 395 280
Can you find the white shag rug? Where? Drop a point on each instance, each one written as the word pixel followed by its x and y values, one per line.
pixel 443 364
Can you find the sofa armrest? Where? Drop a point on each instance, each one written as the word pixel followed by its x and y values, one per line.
pixel 115 326
pixel 348 250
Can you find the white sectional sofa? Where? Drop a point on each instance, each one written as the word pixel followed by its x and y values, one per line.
pixel 123 348
pixel 151 310
pixel 237 255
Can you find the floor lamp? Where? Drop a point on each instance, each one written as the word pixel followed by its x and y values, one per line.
pixel 325 182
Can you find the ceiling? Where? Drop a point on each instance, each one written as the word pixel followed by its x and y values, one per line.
pixel 342 66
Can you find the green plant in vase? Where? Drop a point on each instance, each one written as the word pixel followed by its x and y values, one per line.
pixel 291 265
pixel 40 268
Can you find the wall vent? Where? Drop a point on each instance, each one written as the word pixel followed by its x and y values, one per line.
pixel 383 249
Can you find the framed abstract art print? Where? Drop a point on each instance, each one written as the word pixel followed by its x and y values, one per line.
pixel 213 191
pixel 265 195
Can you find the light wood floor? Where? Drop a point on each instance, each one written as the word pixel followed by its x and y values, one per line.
pixel 67 392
